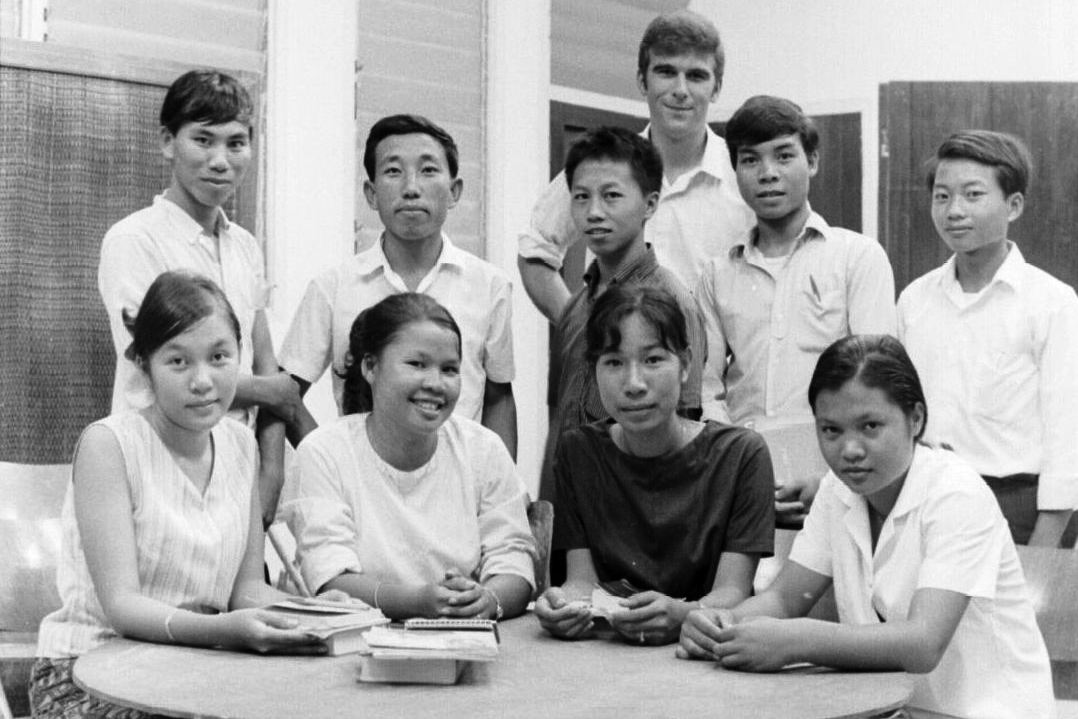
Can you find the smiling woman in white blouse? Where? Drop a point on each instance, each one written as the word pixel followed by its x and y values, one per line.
pixel 407 507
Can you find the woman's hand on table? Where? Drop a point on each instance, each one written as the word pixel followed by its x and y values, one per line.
pixel 267 632
pixel 700 633
pixel 651 618
pixel 757 644
pixel 560 617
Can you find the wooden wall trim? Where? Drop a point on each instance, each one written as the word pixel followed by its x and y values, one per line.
pixel 51 57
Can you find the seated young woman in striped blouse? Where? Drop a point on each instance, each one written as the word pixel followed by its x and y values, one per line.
pixel 162 536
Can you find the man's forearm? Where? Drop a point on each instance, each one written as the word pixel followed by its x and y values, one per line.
pixel 500 414
pixel 1049 528
pixel 544 286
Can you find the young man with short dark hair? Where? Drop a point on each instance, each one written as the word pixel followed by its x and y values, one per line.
pixel 412 183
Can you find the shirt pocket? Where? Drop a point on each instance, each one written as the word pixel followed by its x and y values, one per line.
pixel 997 381
pixel 823 318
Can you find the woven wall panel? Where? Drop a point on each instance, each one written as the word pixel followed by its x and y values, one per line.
pixel 76 155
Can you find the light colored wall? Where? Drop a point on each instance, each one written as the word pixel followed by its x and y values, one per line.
pixel 594 43
pixel 426 57
pixel 310 171
pixel 517 120
pixel 844 49
pixel 224 33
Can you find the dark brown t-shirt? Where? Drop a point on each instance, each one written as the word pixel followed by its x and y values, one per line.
pixel 662 522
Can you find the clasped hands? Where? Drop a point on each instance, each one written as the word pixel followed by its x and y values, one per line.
pixel 648 617
pixel 758 644
pixel 458 595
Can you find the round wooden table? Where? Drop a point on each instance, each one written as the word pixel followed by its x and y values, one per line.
pixel 534 676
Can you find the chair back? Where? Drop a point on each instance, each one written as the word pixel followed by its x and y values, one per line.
pixel 31 497
pixel 795 451
pixel 1052 580
pixel 541 521
pixel 29 542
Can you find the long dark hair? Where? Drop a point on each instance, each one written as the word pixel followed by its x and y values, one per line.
pixel 175 302
pixel 375 328
pixel 879 362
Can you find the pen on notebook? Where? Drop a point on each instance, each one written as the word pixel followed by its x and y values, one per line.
pixel 815 289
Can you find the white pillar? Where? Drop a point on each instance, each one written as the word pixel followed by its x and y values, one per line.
pixel 518 161
pixel 311 153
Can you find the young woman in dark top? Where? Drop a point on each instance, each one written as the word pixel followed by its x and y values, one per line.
pixel 678 509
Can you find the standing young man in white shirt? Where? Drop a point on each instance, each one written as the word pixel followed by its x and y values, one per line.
pixel 679 72
pixel 995 339
pixel 788 288
pixel 206 138
pixel 412 183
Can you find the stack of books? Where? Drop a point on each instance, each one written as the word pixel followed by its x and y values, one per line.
pixel 339 625
pixel 427 651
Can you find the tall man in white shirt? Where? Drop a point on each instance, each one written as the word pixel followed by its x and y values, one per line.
pixel 679 72
pixel 994 339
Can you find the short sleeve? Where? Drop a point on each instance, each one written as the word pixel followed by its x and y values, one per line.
pixel 751 527
pixel 308 347
pixel 870 288
pixel 551 232
pixel 505 538
pixel 319 515
pixel 498 350
pixel 128 267
pixel 963 533
pixel 812 545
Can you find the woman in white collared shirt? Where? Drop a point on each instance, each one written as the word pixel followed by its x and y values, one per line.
pixel 926 576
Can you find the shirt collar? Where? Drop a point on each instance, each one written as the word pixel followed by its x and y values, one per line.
pixel 375 258
pixel 1009 273
pixel 184 223
pixel 640 268
pixel 816 228
pixel 716 159
pixel 913 493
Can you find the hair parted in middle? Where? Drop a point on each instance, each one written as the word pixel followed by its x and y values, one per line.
pixel 878 362
pixel 655 306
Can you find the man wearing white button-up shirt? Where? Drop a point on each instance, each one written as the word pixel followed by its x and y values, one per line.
pixel 995 339
pixel 789 288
